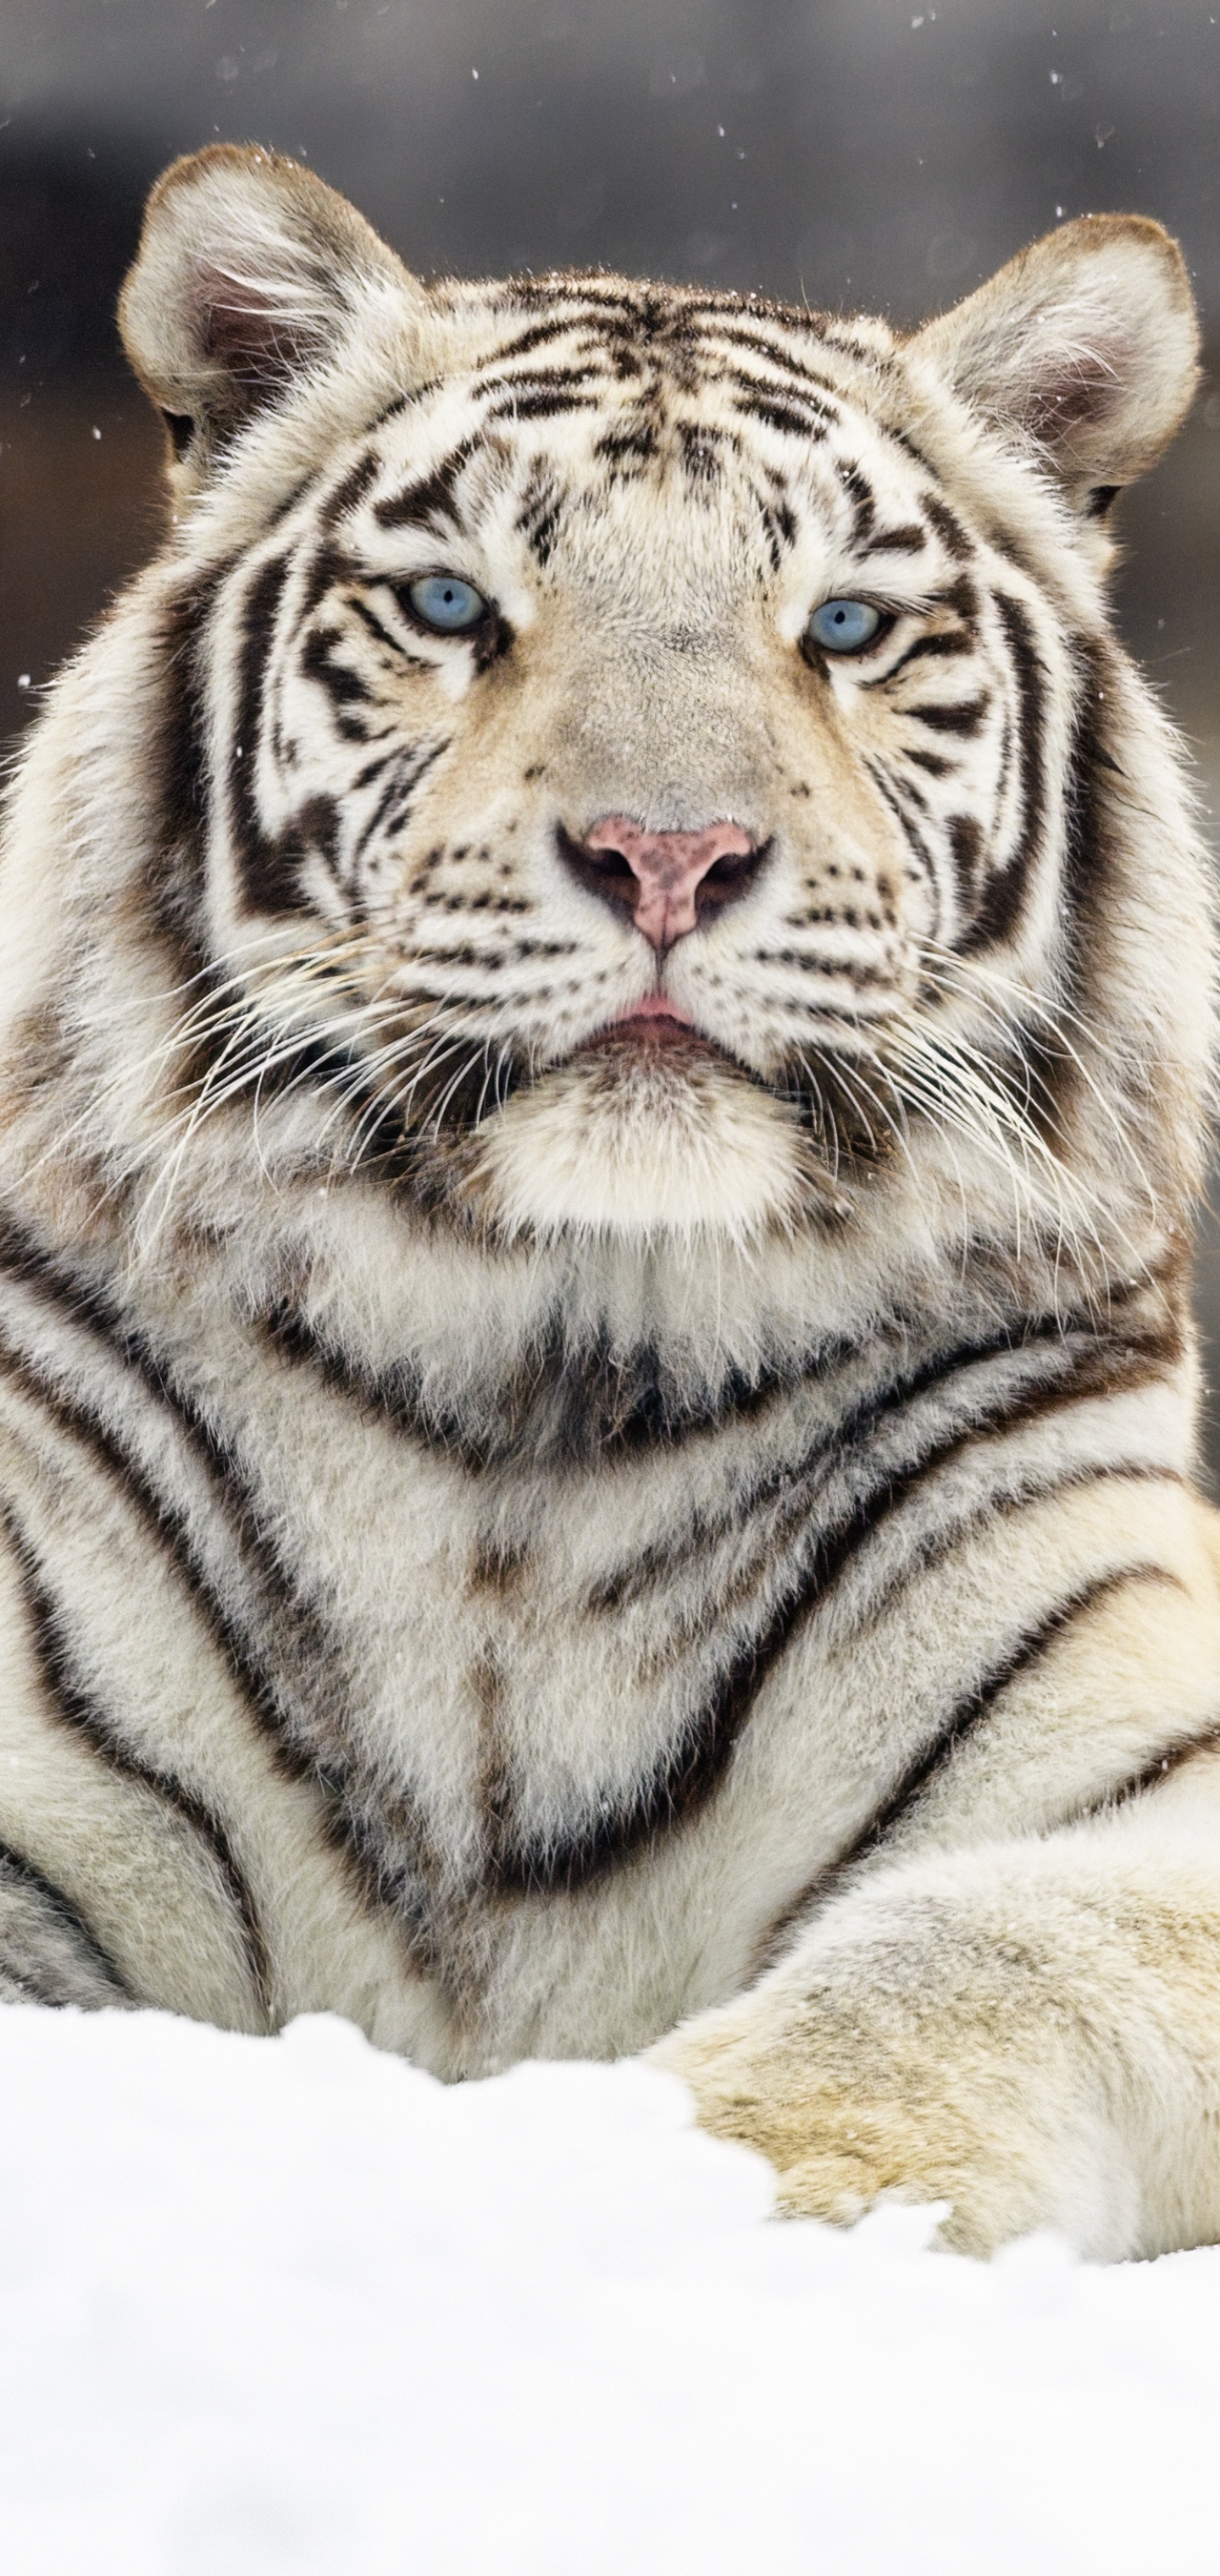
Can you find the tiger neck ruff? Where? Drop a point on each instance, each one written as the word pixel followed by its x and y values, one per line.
pixel 604 1011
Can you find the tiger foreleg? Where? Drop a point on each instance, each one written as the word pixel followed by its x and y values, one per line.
pixel 1029 2031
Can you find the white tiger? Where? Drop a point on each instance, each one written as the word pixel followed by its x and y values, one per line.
pixel 604 1014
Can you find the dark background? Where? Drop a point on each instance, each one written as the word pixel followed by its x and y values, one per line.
pixel 856 153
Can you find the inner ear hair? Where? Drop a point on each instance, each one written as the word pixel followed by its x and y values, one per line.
pixel 1084 350
pixel 259 331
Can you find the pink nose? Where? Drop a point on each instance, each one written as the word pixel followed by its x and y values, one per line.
pixel 672 872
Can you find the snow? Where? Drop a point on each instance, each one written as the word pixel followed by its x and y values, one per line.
pixel 290 2308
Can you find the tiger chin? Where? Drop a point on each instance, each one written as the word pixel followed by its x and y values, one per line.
pixel 605 1011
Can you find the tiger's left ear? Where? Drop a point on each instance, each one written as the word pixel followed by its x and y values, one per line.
pixel 250 279
pixel 1086 346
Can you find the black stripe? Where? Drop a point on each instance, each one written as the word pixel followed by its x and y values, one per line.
pixel 968 1715
pixel 791 398
pixel 685 1782
pixel 965 849
pixel 948 527
pixel 574 1408
pixel 907 540
pixel 963 717
pixel 540 406
pixel 80 1714
pixel 230 1497
pixel 961 598
pixel 331 564
pixel 945 645
pixel 269 874
pixel 837 336
pixel 771 536
pixel 914 795
pixel 561 1408
pixel 313 832
pixel 1109 1366
pixel 1091 865
pixel 179 743
pixel 15 1865
pixel 953 1533
pixel 998 913
pixel 538 332
pixel 783 417
pixel 351 489
pixel 620 446
pixel 971 1712
pixel 540 512
pixel 297 1629
pixel 177 763
pixel 409 770
pixel 703 447
pixel 859 491
pixel 428 499
pixel 693 1770
pixel 584 300
pixel 1171 1756
pixel 899 795
pixel 786 363
pixel 344 687
pixel 382 635
pixel 541 380
pixel 174 881
pixel 1101 1371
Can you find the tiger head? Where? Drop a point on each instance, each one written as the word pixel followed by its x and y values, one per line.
pixel 651 742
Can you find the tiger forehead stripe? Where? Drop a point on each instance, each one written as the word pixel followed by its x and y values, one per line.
pixel 794 415
pixel 786 359
pixel 430 497
pixel 544 398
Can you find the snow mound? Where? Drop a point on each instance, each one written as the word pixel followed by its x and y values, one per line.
pixel 290 2308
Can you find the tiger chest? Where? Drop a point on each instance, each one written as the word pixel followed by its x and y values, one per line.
pixel 530 1669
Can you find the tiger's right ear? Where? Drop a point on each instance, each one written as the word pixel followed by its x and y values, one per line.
pixel 249 277
pixel 1084 349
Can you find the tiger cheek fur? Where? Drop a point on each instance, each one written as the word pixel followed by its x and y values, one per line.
pixel 603 1026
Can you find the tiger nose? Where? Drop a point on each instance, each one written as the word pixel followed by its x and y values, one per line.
pixel 665 879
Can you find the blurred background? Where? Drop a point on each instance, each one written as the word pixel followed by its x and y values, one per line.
pixel 876 154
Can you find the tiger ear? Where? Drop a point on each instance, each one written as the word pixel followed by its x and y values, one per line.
pixel 250 274
pixel 1086 346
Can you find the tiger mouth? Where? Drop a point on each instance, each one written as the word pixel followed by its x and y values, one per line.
pixel 655 1022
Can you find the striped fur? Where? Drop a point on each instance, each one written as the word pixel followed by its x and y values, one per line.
pixel 529 1532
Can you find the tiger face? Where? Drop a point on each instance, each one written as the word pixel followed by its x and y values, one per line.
pixel 640 722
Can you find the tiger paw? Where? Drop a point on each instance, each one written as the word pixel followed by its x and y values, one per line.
pixel 846 2124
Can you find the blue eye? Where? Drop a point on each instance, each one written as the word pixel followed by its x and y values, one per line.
pixel 844 625
pixel 450 605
